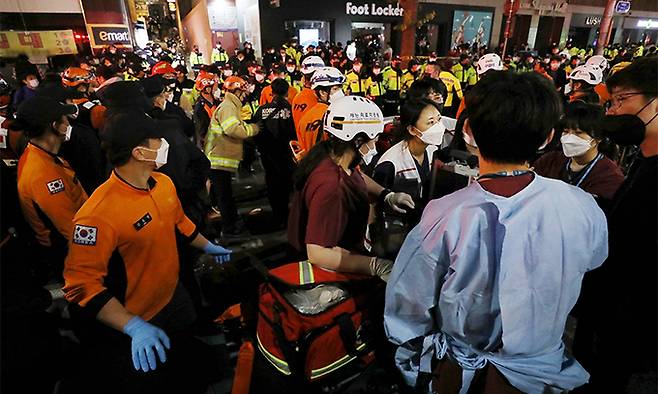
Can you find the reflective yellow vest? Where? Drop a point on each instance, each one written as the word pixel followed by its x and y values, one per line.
pixel 392 80
pixel 466 77
pixel 375 88
pixel 354 83
pixel 452 85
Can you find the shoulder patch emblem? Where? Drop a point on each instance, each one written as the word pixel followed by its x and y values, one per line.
pixel 85 235
pixel 55 186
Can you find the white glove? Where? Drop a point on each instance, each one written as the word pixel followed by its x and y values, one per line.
pixel 397 201
pixel 381 267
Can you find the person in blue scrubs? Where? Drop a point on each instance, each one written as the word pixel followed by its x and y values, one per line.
pixel 480 292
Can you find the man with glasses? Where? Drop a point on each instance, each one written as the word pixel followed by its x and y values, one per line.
pixel 616 335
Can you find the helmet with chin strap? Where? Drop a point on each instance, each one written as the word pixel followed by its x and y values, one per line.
pixel 349 116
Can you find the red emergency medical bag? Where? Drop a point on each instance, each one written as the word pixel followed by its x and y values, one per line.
pixel 314 322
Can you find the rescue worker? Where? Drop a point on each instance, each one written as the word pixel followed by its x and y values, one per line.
pixel 406 166
pixel 375 85
pixel 582 81
pixel 278 129
pixel 475 241
pixel 306 97
pixel 327 82
pixel 293 51
pixel 224 149
pixel 218 57
pixel 122 271
pixel 164 69
pixel 393 84
pixel 464 72
pixel 586 158
pixel 629 311
pixel 356 81
pixel 330 206
pixel 266 95
pixel 196 58
pixel 205 105
pixel 182 84
pixel 83 150
pixel 48 189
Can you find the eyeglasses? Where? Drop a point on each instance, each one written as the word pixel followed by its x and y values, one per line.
pixel 617 101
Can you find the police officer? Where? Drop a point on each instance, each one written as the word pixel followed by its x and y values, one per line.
pixel 182 83
pixel 356 83
pixel 219 57
pixel 375 83
pixel 277 130
pixel 393 83
pixel 465 72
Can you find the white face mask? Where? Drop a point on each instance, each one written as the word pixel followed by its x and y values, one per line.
pixel 170 97
pixel 572 145
pixel 290 69
pixel 260 77
pixel 33 83
pixel 469 140
pixel 367 158
pixel 67 135
pixel 433 135
pixel 251 88
pixel 336 95
pixel 161 153
pixel 228 73
pixel 217 94
pixel 567 88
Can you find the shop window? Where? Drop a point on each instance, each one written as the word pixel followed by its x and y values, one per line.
pixel 307 32
pixel 370 39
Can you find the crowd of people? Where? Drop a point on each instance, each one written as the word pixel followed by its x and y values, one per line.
pixel 118 163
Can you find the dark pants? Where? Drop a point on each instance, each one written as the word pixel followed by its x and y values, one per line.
pixel 391 103
pixel 278 177
pixel 447 379
pixel 222 191
pixel 107 365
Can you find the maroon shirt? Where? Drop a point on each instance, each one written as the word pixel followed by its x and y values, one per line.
pixel 603 180
pixel 331 210
pixel 507 186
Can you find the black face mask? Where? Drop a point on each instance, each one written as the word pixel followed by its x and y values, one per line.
pixel 626 129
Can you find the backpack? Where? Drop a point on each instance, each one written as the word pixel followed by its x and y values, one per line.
pixel 314 323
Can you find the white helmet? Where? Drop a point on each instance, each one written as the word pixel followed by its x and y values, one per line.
pixel 350 115
pixel 490 61
pixel 598 61
pixel 587 73
pixel 311 64
pixel 327 76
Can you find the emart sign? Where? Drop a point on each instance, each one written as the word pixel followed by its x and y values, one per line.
pixel 103 35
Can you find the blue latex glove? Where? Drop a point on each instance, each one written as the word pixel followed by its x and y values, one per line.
pixel 222 255
pixel 145 337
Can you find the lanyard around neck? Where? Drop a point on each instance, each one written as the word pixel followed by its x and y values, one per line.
pixel 588 169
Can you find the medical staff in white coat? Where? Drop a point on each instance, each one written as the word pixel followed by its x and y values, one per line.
pixel 481 289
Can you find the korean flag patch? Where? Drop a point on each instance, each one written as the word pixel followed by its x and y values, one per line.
pixel 55 186
pixel 85 235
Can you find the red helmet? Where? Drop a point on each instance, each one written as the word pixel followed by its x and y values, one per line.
pixel 234 82
pixel 161 68
pixel 74 76
pixel 203 80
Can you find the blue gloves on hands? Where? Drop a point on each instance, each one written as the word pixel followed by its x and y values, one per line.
pixel 145 337
pixel 222 255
